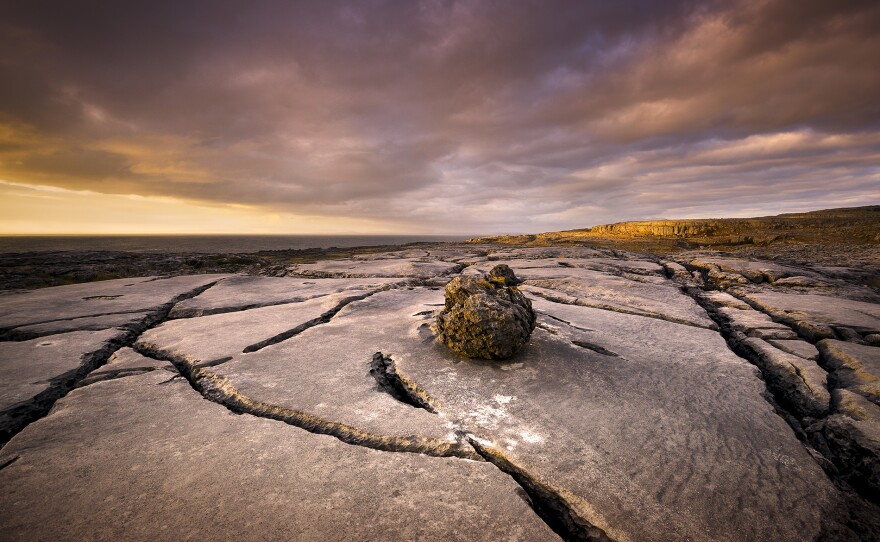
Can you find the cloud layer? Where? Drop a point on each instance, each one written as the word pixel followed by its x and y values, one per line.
pixel 448 116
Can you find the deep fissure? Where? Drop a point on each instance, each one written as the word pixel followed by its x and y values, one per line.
pixel 19 416
pixel 219 390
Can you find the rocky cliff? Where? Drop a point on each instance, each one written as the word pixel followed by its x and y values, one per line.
pixel 849 225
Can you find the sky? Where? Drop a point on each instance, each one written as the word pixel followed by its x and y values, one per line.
pixel 428 117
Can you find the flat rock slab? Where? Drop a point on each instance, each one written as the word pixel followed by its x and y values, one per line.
pixel 96 298
pixel 627 404
pixel 657 428
pixel 600 290
pixel 244 292
pixel 819 309
pixel 803 381
pixel 856 366
pixel 752 270
pixel 796 347
pixel 28 368
pixel 125 361
pixel 726 300
pixel 143 459
pixel 405 267
pixel 227 335
pixel 86 323
pixel 755 323
pixel 325 370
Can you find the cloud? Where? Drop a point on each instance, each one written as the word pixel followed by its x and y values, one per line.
pixel 448 116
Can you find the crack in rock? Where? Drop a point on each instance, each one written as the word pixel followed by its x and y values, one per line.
pixel 776 393
pixel 214 362
pixel 595 348
pixel 114 375
pixel 566 322
pixel 323 319
pixel 554 506
pixel 9 461
pixel 582 303
pixel 384 370
pixel 826 438
pixel 185 313
pixel 15 334
pixel 21 415
pixel 220 390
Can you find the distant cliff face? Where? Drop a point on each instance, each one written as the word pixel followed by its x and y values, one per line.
pixel 850 225
pixel 861 222
pixel 683 228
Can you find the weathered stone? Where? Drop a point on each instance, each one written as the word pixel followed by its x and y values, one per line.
pixel 755 324
pixel 854 445
pixel 799 380
pixel 29 368
pixel 726 300
pixel 671 439
pixel 796 347
pixel 86 323
pixel 142 458
pixel 127 360
pixel 484 317
pixel 96 299
pixel 322 371
pixel 856 366
pixel 398 267
pixel 600 290
pixel 814 315
pixel 627 411
pixel 249 292
pixel 855 406
pixel 753 271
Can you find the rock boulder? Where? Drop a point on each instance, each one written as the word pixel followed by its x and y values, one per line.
pixel 486 317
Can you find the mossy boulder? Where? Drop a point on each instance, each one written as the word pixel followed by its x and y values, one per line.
pixel 486 317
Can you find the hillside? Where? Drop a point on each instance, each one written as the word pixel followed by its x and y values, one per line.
pixel 854 225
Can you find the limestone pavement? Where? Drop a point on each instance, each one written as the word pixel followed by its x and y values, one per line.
pixel 695 398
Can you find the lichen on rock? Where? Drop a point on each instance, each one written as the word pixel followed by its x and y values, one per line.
pixel 486 317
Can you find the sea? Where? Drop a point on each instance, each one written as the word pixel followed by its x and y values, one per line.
pixel 205 243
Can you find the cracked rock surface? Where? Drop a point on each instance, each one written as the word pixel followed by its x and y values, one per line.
pixel 151 460
pixel 704 398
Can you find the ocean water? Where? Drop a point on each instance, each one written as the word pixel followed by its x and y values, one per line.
pixel 205 243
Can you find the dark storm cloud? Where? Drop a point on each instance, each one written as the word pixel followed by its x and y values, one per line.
pixel 467 116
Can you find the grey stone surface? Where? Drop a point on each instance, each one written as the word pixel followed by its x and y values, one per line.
pixel 817 313
pixel 323 371
pixel 669 438
pixel 243 292
pixel 802 381
pixel 153 460
pixel 28 368
pixel 856 366
pixel 796 347
pixel 86 323
pixel 95 298
pixel 395 267
pixel 726 300
pixel 226 335
pixel 756 324
pixel 596 289
pixel 127 360
pixel 626 414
